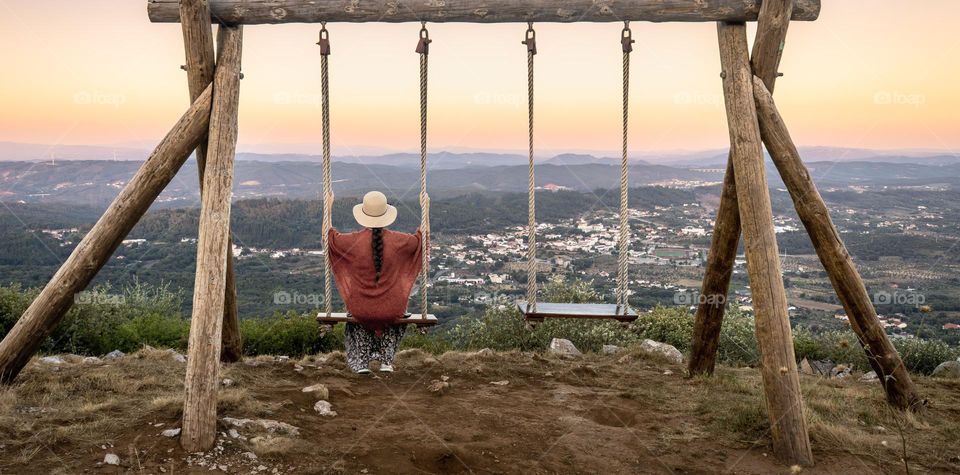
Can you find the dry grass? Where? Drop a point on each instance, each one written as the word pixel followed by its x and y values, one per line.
pixel 55 412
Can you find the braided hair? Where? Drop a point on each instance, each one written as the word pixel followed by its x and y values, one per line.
pixel 377 250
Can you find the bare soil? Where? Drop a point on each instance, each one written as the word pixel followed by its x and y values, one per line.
pixel 625 413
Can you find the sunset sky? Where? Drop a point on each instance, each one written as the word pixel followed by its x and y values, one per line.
pixel 879 74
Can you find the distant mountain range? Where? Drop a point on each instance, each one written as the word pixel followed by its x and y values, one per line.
pixel 96 182
pixel 14 151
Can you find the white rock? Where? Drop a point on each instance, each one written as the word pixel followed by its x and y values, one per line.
pixel 114 355
pixel 611 349
pixel 227 382
pixel 500 383
pixel 324 408
pixel 668 351
pixel 563 347
pixel 948 369
pixel 486 352
pixel 111 459
pixel 319 390
pixel 250 455
pixel 177 356
pixel 171 432
pixel 282 359
pixel 92 360
pixel 233 434
pixel 869 377
pixel 55 360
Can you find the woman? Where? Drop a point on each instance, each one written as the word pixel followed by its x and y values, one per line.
pixel 375 270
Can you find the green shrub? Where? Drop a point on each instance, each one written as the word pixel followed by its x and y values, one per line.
pixel 923 356
pixel 288 333
pixel 673 326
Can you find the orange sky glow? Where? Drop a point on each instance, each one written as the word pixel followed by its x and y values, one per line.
pixel 868 74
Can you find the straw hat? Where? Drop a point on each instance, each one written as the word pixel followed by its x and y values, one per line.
pixel 375 212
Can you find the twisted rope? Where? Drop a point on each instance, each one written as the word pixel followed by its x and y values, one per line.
pixel 423 48
pixel 327 183
pixel 530 41
pixel 624 241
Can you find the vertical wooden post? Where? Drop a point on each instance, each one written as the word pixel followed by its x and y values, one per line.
pixel 813 212
pixel 200 401
pixel 772 26
pixel 198 44
pixel 48 309
pixel 781 380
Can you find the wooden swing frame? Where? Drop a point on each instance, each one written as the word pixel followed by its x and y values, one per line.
pixel 210 127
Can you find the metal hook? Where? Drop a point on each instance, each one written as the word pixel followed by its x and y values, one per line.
pixel 324 39
pixel 423 46
pixel 530 38
pixel 626 38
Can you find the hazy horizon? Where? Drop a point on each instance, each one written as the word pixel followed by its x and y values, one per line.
pixel 104 75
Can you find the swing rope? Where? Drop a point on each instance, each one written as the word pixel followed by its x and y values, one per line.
pixel 623 244
pixel 626 39
pixel 423 48
pixel 327 183
pixel 530 40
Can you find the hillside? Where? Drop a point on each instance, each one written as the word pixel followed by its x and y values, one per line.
pixel 499 413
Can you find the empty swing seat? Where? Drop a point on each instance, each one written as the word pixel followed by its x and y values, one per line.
pixel 408 319
pixel 599 311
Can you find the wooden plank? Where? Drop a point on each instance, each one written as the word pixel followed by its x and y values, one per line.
pixel 781 380
pixel 48 309
pixel 577 310
pixel 813 212
pixel 411 319
pixel 203 359
pixel 772 28
pixel 251 12
pixel 198 47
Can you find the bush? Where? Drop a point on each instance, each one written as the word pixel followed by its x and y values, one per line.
pixel 290 334
pixel 923 356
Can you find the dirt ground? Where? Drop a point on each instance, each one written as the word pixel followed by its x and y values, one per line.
pixel 458 413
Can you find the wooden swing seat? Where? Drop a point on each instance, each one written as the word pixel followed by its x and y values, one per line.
pixel 597 311
pixel 408 319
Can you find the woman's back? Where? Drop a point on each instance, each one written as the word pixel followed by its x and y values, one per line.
pixel 375 299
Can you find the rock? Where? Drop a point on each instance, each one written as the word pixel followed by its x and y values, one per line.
pixel 948 369
pixel 438 386
pixel 667 372
pixel 817 368
pixel 869 377
pixel 325 409
pixel 92 360
pixel 282 359
pixel 271 426
pixel 227 382
pixel 840 371
pixel 54 360
pixel 563 347
pixel 114 355
pixel 171 432
pixel 250 455
pixel 177 356
pixel 500 383
pixel 233 434
pixel 486 352
pixel 111 459
pixel 667 351
pixel 319 390
pixel 611 349
pixel 297 368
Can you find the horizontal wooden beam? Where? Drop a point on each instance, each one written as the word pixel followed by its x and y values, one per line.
pixel 254 12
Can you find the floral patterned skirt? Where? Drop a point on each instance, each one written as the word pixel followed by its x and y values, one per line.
pixel 364 346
